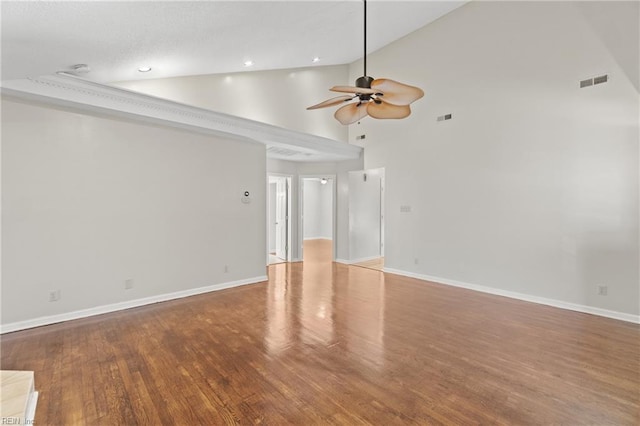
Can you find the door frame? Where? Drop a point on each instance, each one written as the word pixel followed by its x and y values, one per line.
pixel 289 186
pixel 334 212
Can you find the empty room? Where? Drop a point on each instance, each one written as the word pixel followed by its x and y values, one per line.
pixel 320 212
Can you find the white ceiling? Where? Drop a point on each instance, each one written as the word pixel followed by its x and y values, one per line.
pixel 203 37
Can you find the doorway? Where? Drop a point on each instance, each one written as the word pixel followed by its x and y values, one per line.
pixel 278 219
pixel 317 218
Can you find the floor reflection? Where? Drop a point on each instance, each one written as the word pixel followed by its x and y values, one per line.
pixel 310 305
pixel 279 335
pixel 317 297
pixel 365 321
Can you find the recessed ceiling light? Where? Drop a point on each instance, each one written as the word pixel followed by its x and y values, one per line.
pixel 144 69
pixel 248 63
pixel 316 59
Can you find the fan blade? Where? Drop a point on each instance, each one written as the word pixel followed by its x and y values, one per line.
pixel 333 101
pixel 351 113
pixel 387 110
pixel 396 93
pixel 353 89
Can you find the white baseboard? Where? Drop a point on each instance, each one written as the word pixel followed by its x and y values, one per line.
pixel 521 296
pixel 98 310
pixel 346 262
pixel 317 238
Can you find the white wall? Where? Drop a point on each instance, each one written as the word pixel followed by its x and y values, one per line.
pixel 341 170
pixel 533 187
pixel 278 97
pixel 90 202
pixel 318 209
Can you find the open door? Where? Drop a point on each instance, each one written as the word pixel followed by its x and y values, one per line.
pixel 366 215
pixel 278 223
pixel 282 218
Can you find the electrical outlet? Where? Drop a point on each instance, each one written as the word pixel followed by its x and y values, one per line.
pixel 226 268
pixel 602 290
pixel 128 284
pixel 54 296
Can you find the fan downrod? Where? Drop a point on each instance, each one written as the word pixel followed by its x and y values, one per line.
pixel 364 82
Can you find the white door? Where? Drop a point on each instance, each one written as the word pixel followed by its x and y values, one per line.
pixel 282 217
pixel 365 215
pixel 272 216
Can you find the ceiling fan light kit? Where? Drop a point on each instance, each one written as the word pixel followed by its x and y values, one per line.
pixel 381 98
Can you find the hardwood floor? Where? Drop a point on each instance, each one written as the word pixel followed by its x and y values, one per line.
pixel 318 251
pixel 325 343
pixel 377 264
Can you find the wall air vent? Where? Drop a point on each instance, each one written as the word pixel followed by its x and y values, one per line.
pixel 360 137
pixel 445 117
pixel 593 81
pixel 601 79
pixel 586 83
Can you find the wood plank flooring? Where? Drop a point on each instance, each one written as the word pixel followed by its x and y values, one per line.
pixel 325 343
pixel 377 264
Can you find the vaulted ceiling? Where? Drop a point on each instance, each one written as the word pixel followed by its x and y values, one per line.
pixel 177 38
pixel 184 38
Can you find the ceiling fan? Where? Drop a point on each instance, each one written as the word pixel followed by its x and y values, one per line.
pixel 377 98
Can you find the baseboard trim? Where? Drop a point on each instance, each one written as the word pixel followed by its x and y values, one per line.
pixel 344 261
pixel 317 238
pixel 114 307
pixel 521 296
